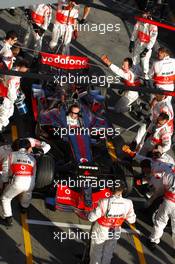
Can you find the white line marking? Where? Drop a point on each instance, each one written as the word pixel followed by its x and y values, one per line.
pixel 131 127
pixel 67 225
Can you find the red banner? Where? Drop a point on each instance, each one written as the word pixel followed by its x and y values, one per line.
pixel 152 22
pixel 64 61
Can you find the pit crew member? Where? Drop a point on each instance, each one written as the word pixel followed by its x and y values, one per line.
pixel 65 25
pixel 129 79
pixel 21 167
pixel 163 70
pixel 159 104
pixel 109 216
pixel 158 133
pixel 165 212
pixel 5 150
pixel 6 54
pixel 142 41
pixel 153 170
pixel 9 92
pixel 40 18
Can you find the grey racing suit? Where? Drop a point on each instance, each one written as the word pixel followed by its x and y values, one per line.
pixel 105 233
pixel 157 136
pixel 144 35
pixel 6 54
pixel 7 107
pixel 130 79
pixel 65 23
pixel 159 167
pixel 21 167
pixel 41 17
pixel 5 150
pixel 166 210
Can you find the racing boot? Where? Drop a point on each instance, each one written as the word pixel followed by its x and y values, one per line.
pixel 133 145
pixel 12 12
pixel 2 138
pixel 8 221
pixel 82 21
pixel 23 210
pixel 151 245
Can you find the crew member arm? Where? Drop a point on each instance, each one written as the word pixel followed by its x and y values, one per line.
pixel 12 90
pixel 35 143
pixel 47 18
pixel 6 169
pixel 135 32
pixel 115 69
pixel 97 213
pixel 153 36
pixel 131 216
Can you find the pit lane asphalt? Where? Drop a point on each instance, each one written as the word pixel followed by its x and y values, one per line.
pixel 33 242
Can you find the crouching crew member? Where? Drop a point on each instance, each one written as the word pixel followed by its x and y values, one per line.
pixel 19 170
pixel 166 210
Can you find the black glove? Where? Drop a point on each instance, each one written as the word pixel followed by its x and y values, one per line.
pixel 27 13
pixel 131 46
pixel 143 54
pixel 39 30
pixel 40 152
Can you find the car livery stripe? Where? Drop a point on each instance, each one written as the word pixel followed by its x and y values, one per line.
pixel 75 147
pixel 87 145
pixel 80 146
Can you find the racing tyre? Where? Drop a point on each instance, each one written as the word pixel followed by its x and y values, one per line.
pixel 37 130
pixel 40 133
pixel 45 172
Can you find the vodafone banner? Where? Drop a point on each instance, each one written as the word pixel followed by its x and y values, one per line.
pixel 64 61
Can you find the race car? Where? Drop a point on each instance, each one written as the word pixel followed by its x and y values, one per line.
pixel 79 169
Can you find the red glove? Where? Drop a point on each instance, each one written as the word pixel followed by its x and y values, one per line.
pixel 128 151
pixel 75 34
pixel 106 60
pixel 138 182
